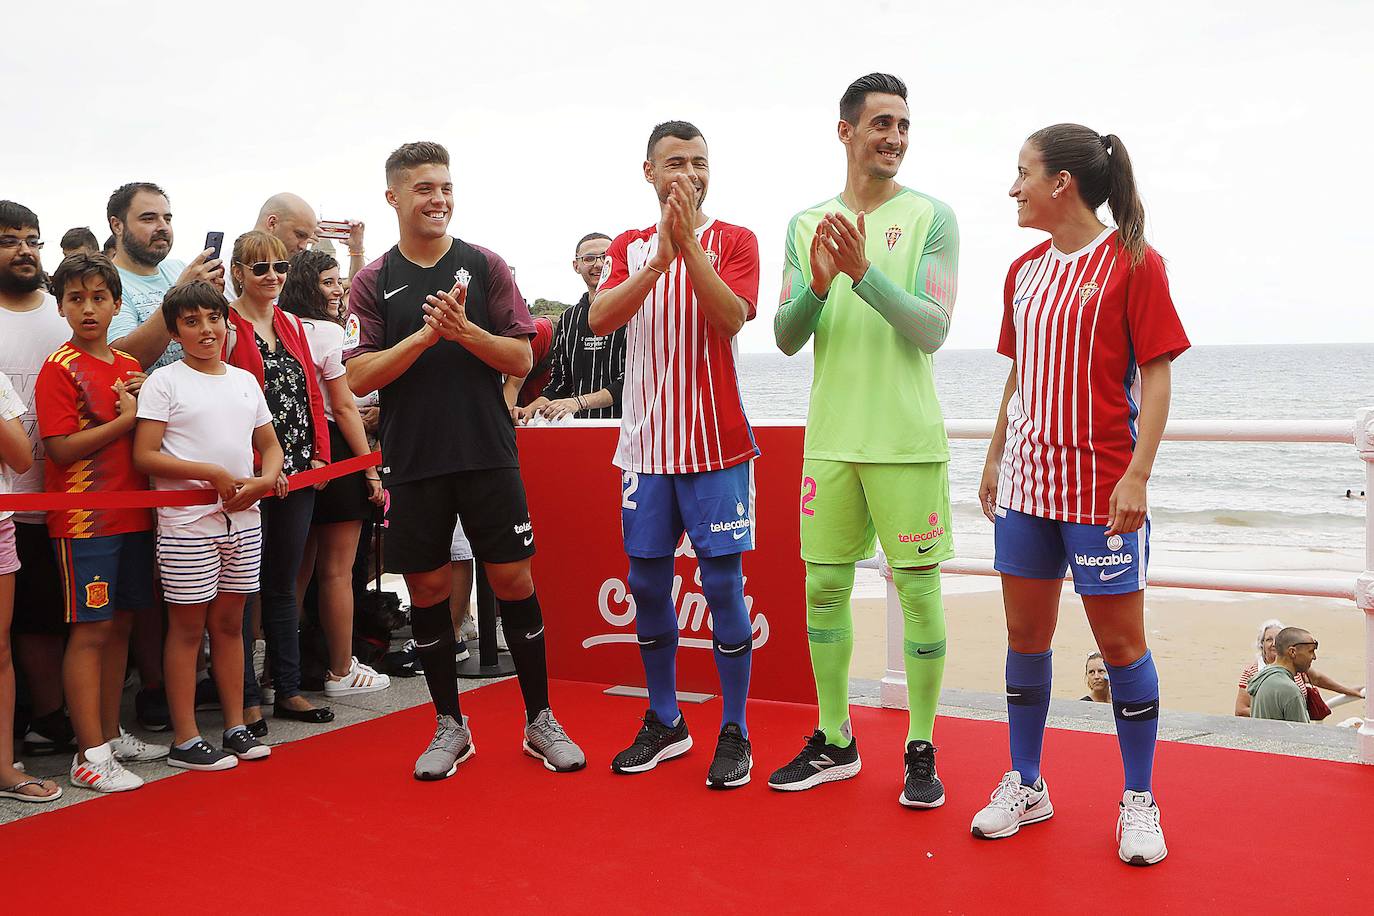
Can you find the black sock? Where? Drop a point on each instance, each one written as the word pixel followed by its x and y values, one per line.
pixel 523 625
pixel 432 628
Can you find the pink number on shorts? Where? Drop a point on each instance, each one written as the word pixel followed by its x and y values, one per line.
pixel 808 494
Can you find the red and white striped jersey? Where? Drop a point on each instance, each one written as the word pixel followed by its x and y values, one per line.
pixel 1079 326
pixel 681 401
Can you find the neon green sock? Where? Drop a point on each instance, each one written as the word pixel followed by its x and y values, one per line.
pixel 830 631
pixel 923 646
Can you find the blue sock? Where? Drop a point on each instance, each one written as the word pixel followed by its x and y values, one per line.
pixel 651 583
pixel 1028 703
pixel 1135 700
pixel 722 582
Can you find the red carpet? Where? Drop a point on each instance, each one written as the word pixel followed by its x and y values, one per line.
pixel 336 825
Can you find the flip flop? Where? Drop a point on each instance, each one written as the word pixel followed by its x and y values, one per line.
pixel 14 793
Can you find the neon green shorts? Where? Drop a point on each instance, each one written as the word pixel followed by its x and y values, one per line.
pixel 846 506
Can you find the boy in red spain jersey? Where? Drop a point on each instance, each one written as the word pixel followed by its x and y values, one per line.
pixel 683 288
pixel 85 399
pixel 1091 330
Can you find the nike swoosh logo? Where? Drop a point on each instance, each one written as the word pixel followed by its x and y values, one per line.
pixel 926 549
pixel 426 645
pixel 930 651
pixel 739 534
pixel 737 651
pixel 529 540
pixel 1107 577
pixel 1019 301
pixel 395 291
pixel 1135 712
pixel 1010 695
pixel 535 634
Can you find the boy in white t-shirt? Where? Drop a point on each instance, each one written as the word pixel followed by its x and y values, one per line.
pixel 200 422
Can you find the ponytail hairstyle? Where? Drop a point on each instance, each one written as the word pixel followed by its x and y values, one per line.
pixel 1102 173
pixel 301 294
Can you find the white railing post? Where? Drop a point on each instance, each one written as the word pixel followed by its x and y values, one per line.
pixel 1364 586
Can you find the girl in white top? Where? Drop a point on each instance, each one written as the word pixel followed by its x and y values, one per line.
pixel 312 292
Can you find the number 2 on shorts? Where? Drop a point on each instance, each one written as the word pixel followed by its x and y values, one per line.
pixel 631 480
pixel 808 494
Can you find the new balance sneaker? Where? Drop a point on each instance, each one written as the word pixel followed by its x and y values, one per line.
pixel 99 771
pixel 150 708
pixel 129 749
pixel 733 761
pixel 201 756
pixel 49 734
pixel 923 788
pixel 1139 838
pixel 546 740
pixel 450 746
pixel 358 679
pixel 818 763
pixel 1011 806
pixel 654 744
pixel 242 744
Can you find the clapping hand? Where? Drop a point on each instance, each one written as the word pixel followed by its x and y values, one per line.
pixel 446 314
pixel 682 204
pixel 845 243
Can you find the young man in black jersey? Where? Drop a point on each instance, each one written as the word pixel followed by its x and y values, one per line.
pixel 434 324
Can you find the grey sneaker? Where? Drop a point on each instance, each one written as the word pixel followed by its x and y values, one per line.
pixel 546 740
pixel 452 744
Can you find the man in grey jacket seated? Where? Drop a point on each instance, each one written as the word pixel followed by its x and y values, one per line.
pixel 1273 688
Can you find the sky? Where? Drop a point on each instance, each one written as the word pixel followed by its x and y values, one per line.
pixel 1242 120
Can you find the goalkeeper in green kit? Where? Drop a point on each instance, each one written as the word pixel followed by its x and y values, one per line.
pixel 871 274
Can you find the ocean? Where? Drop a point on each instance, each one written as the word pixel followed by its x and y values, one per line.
pixel 1255 506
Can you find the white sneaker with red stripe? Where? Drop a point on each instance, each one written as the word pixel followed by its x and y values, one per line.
pixel 359 679
pixel 99 771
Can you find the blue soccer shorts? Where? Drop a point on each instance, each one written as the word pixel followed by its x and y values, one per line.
pixel 1043 548
pixel 715 508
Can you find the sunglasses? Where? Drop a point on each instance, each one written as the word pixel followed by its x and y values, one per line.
pixel 261 268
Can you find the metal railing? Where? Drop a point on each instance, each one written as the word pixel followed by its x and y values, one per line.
pixel 1359 589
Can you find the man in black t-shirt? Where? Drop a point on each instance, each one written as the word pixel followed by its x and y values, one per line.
pixel 433 325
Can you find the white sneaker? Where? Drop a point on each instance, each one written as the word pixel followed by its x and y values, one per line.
pixel 1140 840
pixel 1012 805
pixel 135 750
pixel 359 679
pixel 101 772
pixel 468 629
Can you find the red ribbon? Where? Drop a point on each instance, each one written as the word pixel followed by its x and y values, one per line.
pixel 151 499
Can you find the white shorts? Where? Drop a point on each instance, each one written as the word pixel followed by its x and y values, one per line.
pixel 460 550
pixel 209 556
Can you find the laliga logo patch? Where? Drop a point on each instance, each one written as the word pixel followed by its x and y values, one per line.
pixel 934 519
pixel 1114 543
pixel 97 594
pixel 894 235
pixel 462 276
pixel 1086 292
pixel 353 332
pixel 739 508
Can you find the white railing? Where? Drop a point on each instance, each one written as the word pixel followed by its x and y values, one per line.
pixel 1360 589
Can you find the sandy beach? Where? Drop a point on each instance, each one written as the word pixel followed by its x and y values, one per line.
pixel 1200 640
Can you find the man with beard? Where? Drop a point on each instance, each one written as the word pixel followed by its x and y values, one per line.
pixel 30 330
pixel 140 217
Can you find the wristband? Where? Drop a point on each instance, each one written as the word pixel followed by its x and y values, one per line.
pixel 661 273
pixel 355 254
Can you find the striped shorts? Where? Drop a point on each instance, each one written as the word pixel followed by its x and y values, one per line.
pixel 200 560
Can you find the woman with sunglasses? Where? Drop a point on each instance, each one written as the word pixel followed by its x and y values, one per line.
pixel 272 344
pixel 312 292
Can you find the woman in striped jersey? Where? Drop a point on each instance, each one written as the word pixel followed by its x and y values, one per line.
pixel 1091 329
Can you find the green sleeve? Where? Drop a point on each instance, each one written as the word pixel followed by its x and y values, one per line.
pixel 921 315
pixel 800 310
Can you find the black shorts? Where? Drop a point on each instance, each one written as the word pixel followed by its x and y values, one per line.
pixel 491 504
pixel 38 603
pixel 345 498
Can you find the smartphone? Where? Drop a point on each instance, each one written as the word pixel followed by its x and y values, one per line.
pixel 214 240
pixel 337 229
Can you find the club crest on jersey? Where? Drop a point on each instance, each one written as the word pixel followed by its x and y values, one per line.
pixel 712 257
pixel 462 276
pixel 97 594
pixel 894 235
pixel 1087 291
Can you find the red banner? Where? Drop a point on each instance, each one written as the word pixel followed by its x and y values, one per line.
pixel 580 570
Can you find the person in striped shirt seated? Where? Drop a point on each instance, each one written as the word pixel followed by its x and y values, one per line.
pixel 684 286
pixel 1092 331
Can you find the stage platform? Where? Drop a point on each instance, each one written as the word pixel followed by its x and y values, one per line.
pixel 334 824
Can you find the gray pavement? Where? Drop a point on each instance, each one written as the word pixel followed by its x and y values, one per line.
pixel 1321 742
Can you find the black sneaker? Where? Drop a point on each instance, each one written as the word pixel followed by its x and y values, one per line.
pixel 50 734
pixel 923 788
pixel 258 729
pixel 733 761
pixel 244 746
pixel 818 762
pixel 201 756
pixel 655 743
pixel 207 695
pixel 150 707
